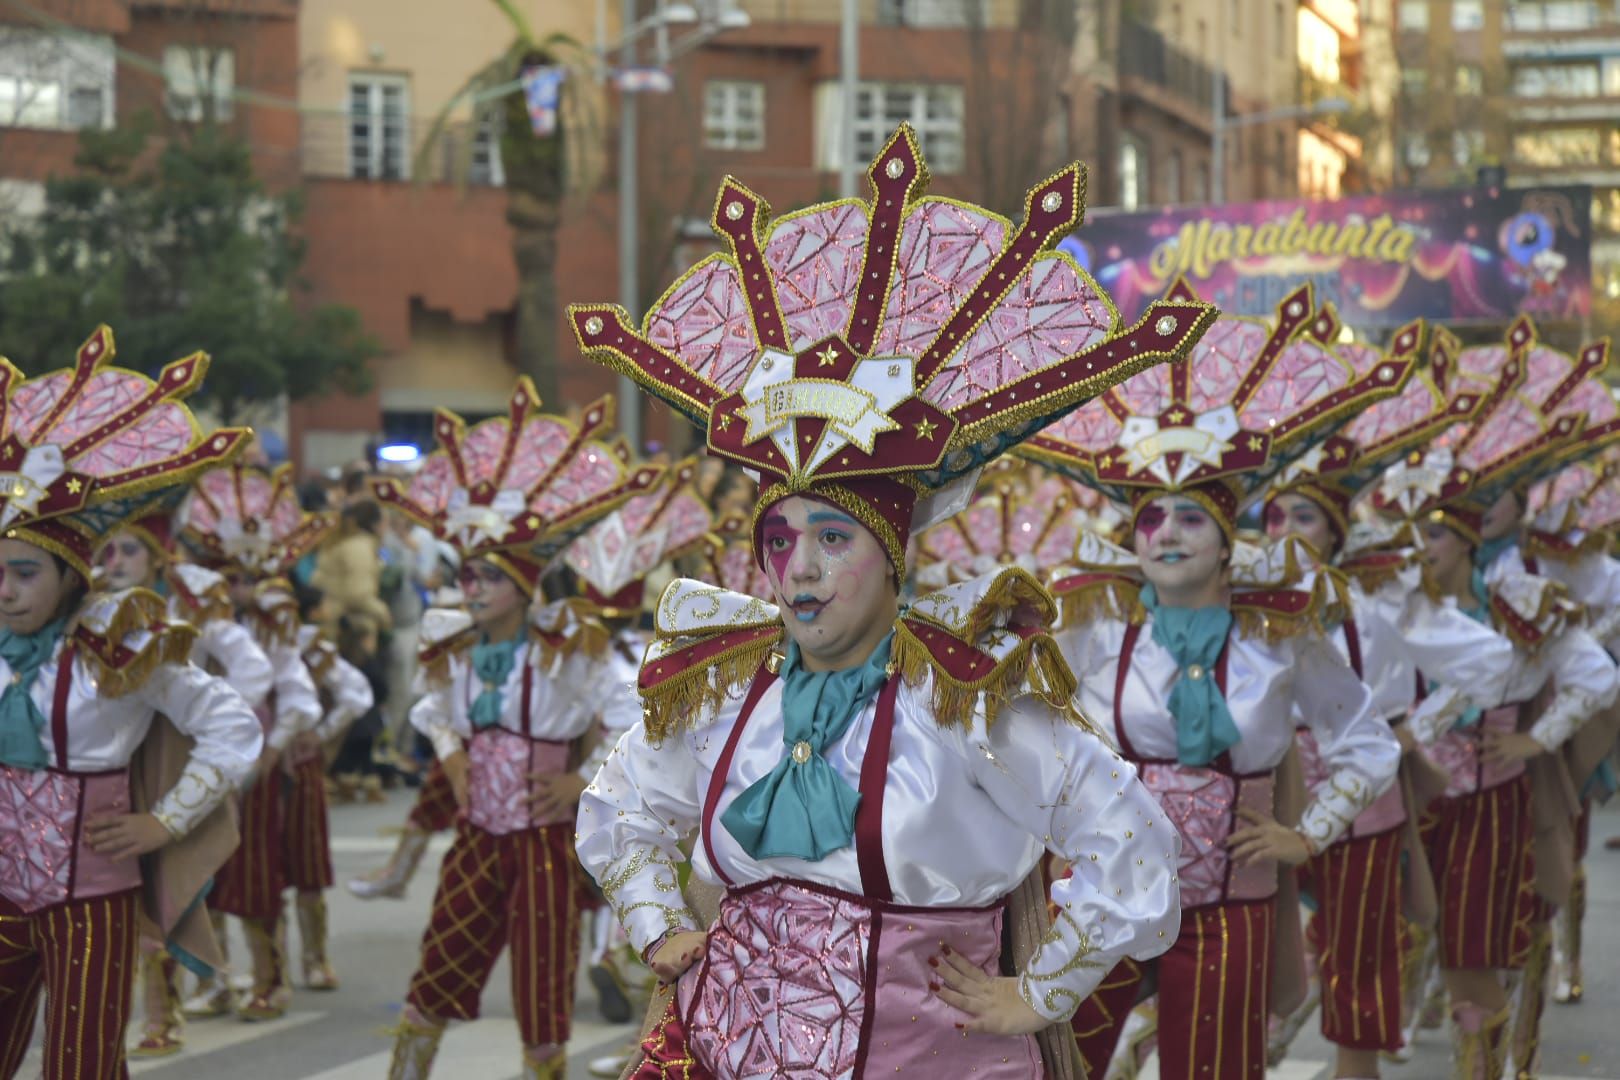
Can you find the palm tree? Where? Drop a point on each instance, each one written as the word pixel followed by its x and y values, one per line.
pixel 544 174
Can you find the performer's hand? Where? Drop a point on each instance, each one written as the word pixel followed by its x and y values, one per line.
pixel 677 953
pixel 991 1003
pixel 455 771
pixel 1266 839
pixel 306 746
pixel 1509 747
pixel 124 836
pixel 553 794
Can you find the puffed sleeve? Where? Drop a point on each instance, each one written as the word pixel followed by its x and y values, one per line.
pixel 1066 786
pixel 1466 663
pixel 1585 682
pixel 226 736
pixel 247 669
pixel 1087 645
pixel 620 711
pixel 434 717
pixel 298 706
pixel 1357 746
pixel 632 818
pixel 351 697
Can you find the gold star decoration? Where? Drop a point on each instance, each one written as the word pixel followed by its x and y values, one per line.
pixel 828 356
pixel 74 486
pixel 725 421
pixel 1106 461
pixel 1255 443
pixel 925 429
pixel 534 522
pixel 1177 416
pixel 1338 453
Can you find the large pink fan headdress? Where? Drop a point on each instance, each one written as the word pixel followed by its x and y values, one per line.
pixel 615 556
pixel 248 519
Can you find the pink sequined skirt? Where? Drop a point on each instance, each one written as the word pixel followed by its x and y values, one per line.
pixel 805 981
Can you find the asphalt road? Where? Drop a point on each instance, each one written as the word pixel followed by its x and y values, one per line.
pixel 343 1035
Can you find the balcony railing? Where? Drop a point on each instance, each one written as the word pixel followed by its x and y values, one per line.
pixel 1561 15
pixel 1145 54
pixel 389 148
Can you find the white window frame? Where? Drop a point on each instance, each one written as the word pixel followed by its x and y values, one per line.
pixel 1467 15
pixel 727 123
pixel 1133 173
pixel 41 73
pixel 484 167
pixel 186 68
pixel 943 138
pixel 1415 152
pixel 375 153
pixel 931 14
pixel 1412 15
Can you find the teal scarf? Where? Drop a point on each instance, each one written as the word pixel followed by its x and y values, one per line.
pixel 492 663
pixel 20 719
pixel 1489 549
pixel 1194 638
pixel 802 808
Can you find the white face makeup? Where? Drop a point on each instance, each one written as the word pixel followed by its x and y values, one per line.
pixel 493 599
pixel 1183 551
pixel 1295 514
pixel 32 589
pixel 1502 518
pixel 128 563
pixel 832 580
pixel 1445 554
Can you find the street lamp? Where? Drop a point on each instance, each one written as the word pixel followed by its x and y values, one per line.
pixel 1328 106
pixel 666 15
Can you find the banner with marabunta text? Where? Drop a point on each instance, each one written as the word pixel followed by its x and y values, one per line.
pixel 1464 255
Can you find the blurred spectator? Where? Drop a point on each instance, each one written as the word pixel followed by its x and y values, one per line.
pixel 349 568
pixel 356 768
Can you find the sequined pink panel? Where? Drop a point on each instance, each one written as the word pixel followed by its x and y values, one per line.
pixel 163 432
pixel 1546 369
pixel 1362 357
pixel 1482 362
pixel 1202 803
pixel 540 444
pixel 944 250
pixel 1416 401
pixel 593 472
pixel 37 817
pixel 1593 398
pixel 685 521
pixel 1220 360
pixel 740 573
pixel 1601 508
pixel 32 403
pixel 945 543
pixel 1513 425
pixel 783 986
pixel 1303 374
pixel 1049 314
pixel 815 259
pixel 1050 547
pixel 704 319
pixel 433 483
pixel 914 1032
pixel 499 764
pixel 1094 426
pixel 1457 753
pixel 99 875
pixel 1257 880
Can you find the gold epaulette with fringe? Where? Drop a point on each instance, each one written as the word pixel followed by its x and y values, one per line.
pixel 275 613
pixel 1530 609
pixel 125 636
pixel 1090 595
pixel 707 643
pixel 987 640
pixel 570 627
pixel 1373 570
pixel 203 596
pixel 1273 615
pixel 444 633
pixel 1562 547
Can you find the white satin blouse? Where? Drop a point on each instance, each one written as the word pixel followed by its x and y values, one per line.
pixel 564 699
pixel 967 813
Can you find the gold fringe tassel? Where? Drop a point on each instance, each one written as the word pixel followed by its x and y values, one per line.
pixel 1034 668
pixel 674 704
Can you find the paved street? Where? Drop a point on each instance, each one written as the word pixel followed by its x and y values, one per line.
pixel 341 1036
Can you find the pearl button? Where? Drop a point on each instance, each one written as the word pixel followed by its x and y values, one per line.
pixel 1195 671
pixel 801 751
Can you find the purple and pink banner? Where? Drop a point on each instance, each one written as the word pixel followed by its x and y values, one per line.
pixel 1465 255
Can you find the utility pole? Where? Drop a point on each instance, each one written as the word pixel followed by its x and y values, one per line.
pixel 629 232
pixel 849 62
pixel 1217 136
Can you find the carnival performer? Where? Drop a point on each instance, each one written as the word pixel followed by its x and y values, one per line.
pixel 140 554
pixel 1395 636
pixel 1575 515
pixel 97 804
pixel 247 523
pixel 518 693
pixel 874 789
pixel 612 562
pixel 1200 679
pixel 344 694
pixel 1479 840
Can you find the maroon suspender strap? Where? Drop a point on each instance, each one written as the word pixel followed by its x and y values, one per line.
pixel 1127 648
pixel 1422 688
pixel 1532 565
pixel 869 816
pixel 1352 645
pixel 528 694
pixel 763 678
pixel 64 684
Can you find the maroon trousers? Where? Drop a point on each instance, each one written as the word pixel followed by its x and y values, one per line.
pixel 1479 849
pixel 435 808
pixel 1356 930
pixel 250 883
pixel 516 888
pixel 308 834
pixel 1214 993
pixel 82 955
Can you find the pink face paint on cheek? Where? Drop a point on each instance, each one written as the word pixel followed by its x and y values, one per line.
pixel 1148 522
pixel 777 559
pixel 1276 520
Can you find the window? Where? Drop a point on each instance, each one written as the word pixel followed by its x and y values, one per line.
pixel 1558 146
pixel 1611 78
pixel 484 166
pixel 1415 149
pixel 1556 80
pixel 378 127
pixel 1467 145
pixel 1172 177
pixel 1412 15
pixel 733 115
pixel 1470 79
pixel 1133 174
pixel 50 81
pixel 1606 210
pixel 1467 14
pixel 198 82
pixel 933 110
pixel 1414 82
pixel 931 13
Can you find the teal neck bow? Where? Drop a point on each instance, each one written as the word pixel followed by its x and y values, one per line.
pixel 1194 637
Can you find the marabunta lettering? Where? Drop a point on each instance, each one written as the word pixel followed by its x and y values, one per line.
pixel 1200 246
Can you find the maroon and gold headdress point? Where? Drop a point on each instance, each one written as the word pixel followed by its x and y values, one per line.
pixel 87 448
pixel 1254 396
pixel 876 353
pixel 248 519
pixel 517 489
pixel 614 557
